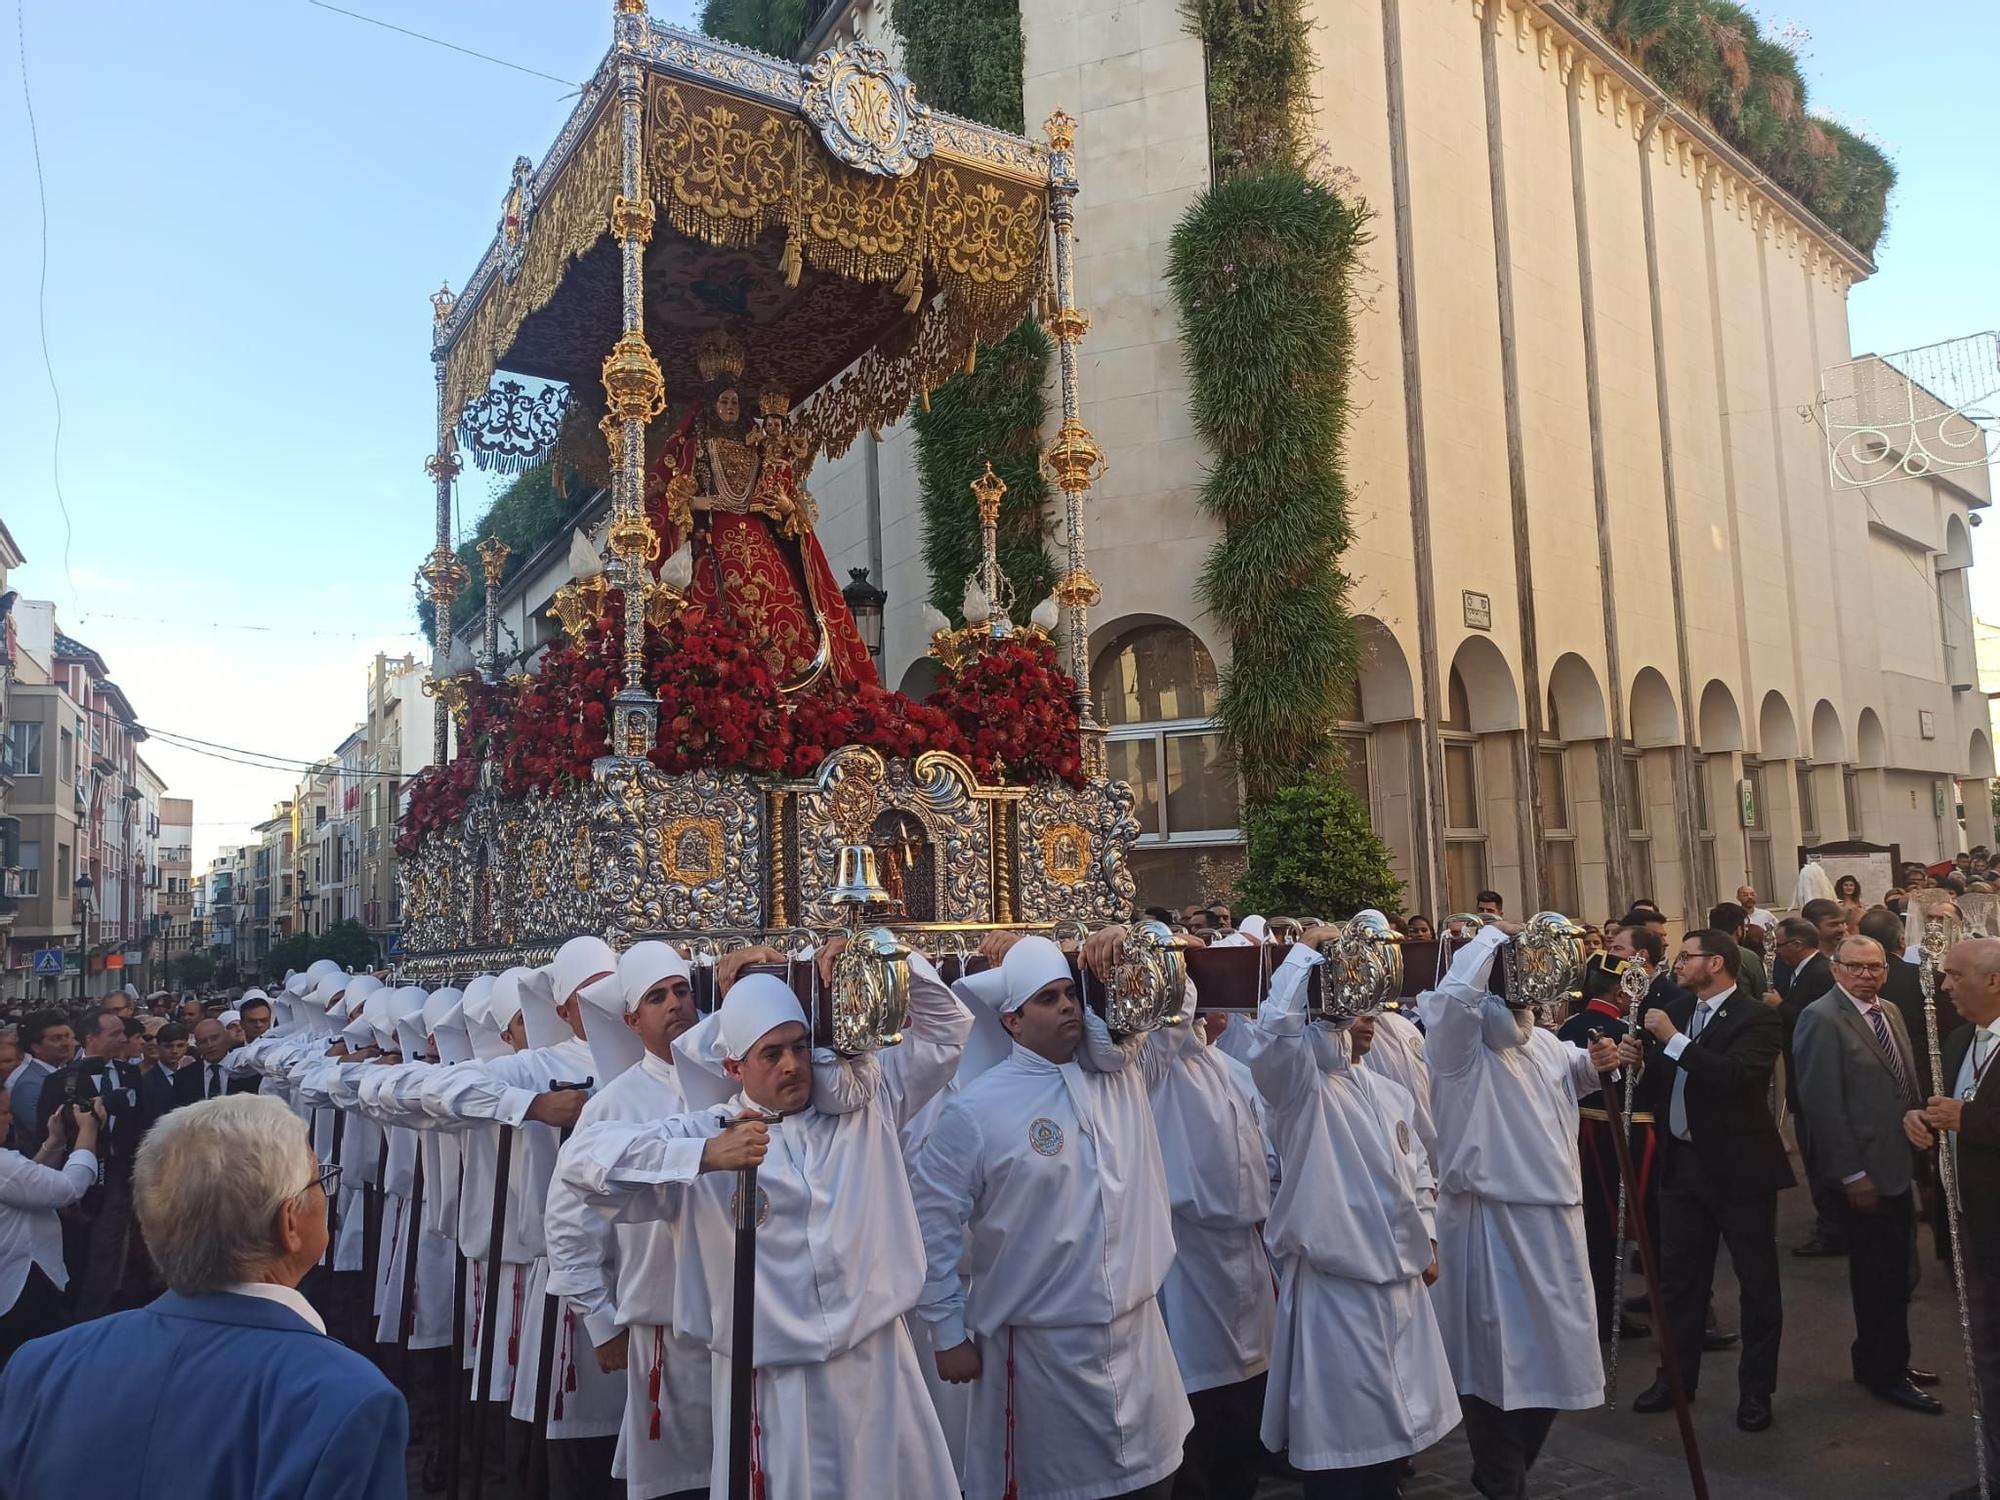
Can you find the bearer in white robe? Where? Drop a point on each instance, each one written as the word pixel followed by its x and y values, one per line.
pixel 1513 1294
pixel 1217 1298
pixel 1398 1055
pixel 585 1403
pixel 1047 1236
pixel 840 1403
pixel 1359 1378
pixel 620 1277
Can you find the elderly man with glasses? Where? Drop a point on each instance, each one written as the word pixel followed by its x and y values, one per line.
pixel 1857 1079
pixel 233 1205
pixel 1722 1165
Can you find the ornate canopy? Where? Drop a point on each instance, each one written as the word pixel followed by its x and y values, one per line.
pixel 857 244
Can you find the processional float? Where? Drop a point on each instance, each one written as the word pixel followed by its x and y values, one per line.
pixel 726 267
pixel 702 756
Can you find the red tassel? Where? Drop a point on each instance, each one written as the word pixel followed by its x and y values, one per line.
pixel 514 1329
pixel 653 1384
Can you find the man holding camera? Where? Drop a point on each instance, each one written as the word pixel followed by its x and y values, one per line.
pixel 98 1246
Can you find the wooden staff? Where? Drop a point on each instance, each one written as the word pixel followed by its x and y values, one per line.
pixel 455 1375
pixel 413 1219
pixel 1663 1331
pixel 490 1314
pixel 1935 940
pixel 743 1336
pixel 371 1236
pixel 545 1359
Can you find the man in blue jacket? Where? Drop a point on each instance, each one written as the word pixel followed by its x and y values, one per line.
pixel 233 1205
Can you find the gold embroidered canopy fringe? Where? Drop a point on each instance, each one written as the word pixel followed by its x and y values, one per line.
pixel 857 281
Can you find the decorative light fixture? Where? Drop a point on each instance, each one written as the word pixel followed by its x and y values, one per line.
pixel 579 603
pixel 864 602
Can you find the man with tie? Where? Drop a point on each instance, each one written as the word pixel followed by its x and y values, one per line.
pixel 1722 1165
pixel 1857 1080
pixel 98 1241
pixel 1970 1116
pixel 208 1076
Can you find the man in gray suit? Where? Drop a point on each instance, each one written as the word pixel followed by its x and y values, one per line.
pixel 1857 1078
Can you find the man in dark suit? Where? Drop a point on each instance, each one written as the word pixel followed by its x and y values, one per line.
pixel 1801 973
pixel 98 1242
pixel 1722 1166
pixel 1857 1080
pixel 1904 989
pixel 206 1077
pixel 1971 1112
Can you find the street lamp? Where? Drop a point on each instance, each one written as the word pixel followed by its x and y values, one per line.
pixel 864 602
pixel 306 899
pixel 84 886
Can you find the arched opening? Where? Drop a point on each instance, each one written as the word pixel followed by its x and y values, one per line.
pixel 1777 731
pixel 1154 685
pixel 1576 702
pixel 1825 782
pixel 1828 743
pixel 1979 756
pixel 1871 743
pixel 1482 706
pixel 1721 726
pixel 1381 693
pixel 1655 719
pixel 1382 680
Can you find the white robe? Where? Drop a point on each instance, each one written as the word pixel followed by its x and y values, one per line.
pixel 584 1401
pixel 841 1408
pixel 430 1326
pixel 1047 1236
pixel 622 1276
pixel 1217 1296
pixel 1398 1055
pixel 1358 1371
pixel 1513 1294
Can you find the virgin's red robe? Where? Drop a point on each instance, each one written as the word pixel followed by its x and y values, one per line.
pixel 778 591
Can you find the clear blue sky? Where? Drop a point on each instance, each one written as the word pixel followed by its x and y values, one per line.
pixel 248 205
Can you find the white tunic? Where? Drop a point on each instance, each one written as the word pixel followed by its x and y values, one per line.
pixel 1047 1237
pixel 1358 1372
pixel 584 1401
pixel 840 1402
pixel 622 1276
pixel 1398 1055
pixel 1513 1294
pixel 1217 1297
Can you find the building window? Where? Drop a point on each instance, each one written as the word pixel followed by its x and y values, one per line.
pixel 1155 688
pixel 1638 820
pixel 62 869
pixel 30 867
pixel 1808 804
pixel 1758 828
pixel 1464 816
pixel 1558 832
pixel 1850 791
pixel 27 739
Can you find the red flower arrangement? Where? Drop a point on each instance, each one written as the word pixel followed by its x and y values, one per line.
pixel 1007 713
pixel 719 704
pixel 892 724
pixel 1016 711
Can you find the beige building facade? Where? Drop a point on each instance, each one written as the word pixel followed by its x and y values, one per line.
pixel 1622 634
